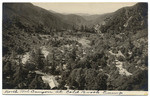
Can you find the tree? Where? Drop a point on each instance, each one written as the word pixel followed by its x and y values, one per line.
pixel 19 75
pixel 89 79
pixel 82 28
pixel 40 59
pixel 7 69
pixel 30 66
pixel 37 83
pixel 20 50
pixel 73 54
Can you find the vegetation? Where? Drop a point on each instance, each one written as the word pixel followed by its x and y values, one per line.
pixel 78 57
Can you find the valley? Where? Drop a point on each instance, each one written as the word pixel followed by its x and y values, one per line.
pixel 60 52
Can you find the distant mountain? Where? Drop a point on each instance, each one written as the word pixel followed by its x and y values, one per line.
pixel 71 19
pixel 85 19
pixel 82 14
pixel 74 19
pixel 52 11
pixel 26 14
pixel 97 19
pixel 90 17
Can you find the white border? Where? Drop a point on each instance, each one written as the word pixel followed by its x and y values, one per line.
pixel 71 92
pixel 59 1
pixel 74 1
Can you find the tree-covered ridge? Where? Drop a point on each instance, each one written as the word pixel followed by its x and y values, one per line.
pixel 127 19
pixel 112 55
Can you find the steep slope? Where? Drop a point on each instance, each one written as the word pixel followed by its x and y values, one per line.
pixel 22 22
pixel 128 18
pixel 26 14
pixel 126 32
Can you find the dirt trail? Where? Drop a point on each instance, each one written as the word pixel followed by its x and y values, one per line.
pixel 119 64
pixel 122 71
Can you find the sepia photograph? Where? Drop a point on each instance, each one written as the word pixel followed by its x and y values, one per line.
pixel 76 47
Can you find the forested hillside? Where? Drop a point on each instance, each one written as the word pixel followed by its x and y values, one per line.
pixel 31 17
pixel 47 50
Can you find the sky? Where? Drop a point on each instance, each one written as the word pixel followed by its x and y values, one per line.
pixel 83 7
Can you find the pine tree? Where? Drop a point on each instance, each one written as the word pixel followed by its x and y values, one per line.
pixel 20 74
pixel 40 59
